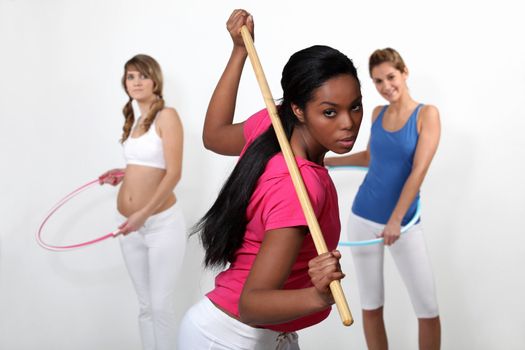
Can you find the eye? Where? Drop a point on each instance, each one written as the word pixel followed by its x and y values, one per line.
pixel 129 77
pixel 329 113
pixel 357 107
pixel 143 76
pixel 391 77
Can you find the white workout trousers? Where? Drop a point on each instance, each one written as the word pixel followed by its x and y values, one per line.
pixel 205 327
pixel 153 257
pixel 410 255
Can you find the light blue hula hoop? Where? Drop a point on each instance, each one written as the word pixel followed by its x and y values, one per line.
pixel 404 229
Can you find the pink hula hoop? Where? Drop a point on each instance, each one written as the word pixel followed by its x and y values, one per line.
pixel 57 206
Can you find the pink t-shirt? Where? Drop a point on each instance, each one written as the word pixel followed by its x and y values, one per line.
pixel 274 204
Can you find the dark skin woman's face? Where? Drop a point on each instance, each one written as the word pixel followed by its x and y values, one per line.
pixel 331 119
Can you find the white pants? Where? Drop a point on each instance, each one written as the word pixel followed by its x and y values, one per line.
pixel 205 327
pixel 410 255
pixel 153 257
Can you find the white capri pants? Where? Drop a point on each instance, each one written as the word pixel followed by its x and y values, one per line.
pixel 205 327
pixel 411 258
pixel 153 257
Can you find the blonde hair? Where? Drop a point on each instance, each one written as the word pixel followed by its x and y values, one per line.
pixel 149 67
pixel 386 55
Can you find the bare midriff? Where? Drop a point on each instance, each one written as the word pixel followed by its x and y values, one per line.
pixel 138 187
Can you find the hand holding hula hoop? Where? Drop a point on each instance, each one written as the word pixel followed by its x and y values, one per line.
pixel 63 201
pixel 404 229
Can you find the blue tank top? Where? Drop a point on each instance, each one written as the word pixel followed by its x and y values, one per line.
pixel 391 158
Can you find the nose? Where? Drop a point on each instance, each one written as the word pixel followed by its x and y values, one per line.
pixel 385 87
pixel 347 122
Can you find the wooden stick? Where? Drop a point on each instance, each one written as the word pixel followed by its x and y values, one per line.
pixel 313 225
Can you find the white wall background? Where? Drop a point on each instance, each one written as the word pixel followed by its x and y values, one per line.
pixel 60 102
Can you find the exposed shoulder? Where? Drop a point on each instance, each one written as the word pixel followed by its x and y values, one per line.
pixel 428 119
pixel 375 112
pixel 168 122
pixel 428 113
pixel 168 113
pixel 168 117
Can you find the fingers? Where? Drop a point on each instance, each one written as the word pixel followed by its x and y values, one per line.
pixel 322 280
pixel 239 14
pixel 389 238
pixel 107 179
pixel 386 238
pixel 112 177
pixel 325 259
pixel 132 224
pixel 325 268
pixel 102 178
pixel 125 228
pixel 237 19
pixel 249 23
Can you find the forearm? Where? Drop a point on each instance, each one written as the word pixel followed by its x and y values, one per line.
pixel 408 193
pixel 265 307
pixel 221 108
pixel 357 159
pixel 162 193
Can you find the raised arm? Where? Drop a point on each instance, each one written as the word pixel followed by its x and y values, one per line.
pixel 220 134
pixel 429 135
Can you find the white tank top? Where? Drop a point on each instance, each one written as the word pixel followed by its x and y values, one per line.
pixel 146 149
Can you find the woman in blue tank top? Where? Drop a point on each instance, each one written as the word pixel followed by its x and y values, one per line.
pixel 403 140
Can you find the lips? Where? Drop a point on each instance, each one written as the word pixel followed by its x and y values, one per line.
pixel 389 94
pixel 347 142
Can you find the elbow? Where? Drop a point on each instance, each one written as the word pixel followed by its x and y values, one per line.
pixel 419 172
pixel 207 140
pixel 208 145
pixel 174 177
pixel 246 318
pixel 246 314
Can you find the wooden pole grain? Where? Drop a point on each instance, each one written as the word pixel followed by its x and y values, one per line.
pixel 313 225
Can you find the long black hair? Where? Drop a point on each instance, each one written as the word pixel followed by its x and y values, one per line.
pixel 222 228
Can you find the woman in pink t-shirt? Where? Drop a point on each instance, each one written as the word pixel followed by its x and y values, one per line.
pixel 275 283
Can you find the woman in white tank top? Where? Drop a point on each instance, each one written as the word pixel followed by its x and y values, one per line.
pixel 153 230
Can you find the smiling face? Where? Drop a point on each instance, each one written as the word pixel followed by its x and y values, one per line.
pixel 332 117
pixel 138 85
pixel 389 81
